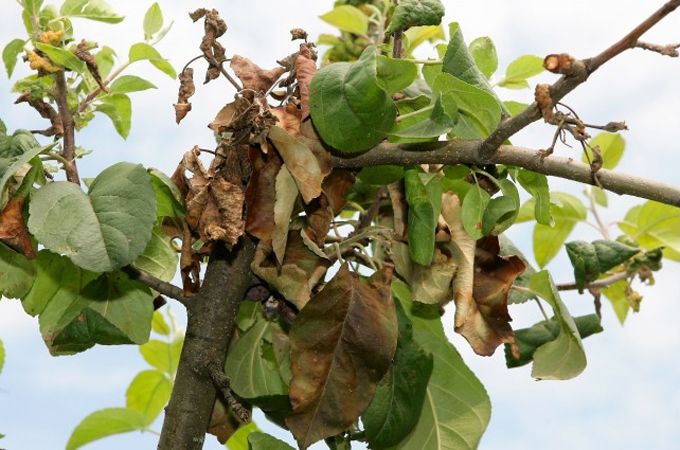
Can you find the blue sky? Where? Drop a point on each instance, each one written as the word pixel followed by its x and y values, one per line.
pixel 628 397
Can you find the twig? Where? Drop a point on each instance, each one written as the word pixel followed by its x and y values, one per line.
pixel 602 227
pixel 223 384
pixel 466 152
pixel 398 40
pixel 570 81
pixel 665 50
pixel 167 289
pixel 545 316
pixel 366 218
pixel 604 282
pixel 69 150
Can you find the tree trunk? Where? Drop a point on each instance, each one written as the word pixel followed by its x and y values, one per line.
pixel 211 314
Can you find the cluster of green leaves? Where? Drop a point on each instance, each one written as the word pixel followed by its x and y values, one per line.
pixel 147 394
pixel 51 35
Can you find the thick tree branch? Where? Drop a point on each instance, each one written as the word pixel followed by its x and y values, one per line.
pixel 211 317
pixel 571 80
pixel 167 289
pixel 466 152
pixel 69 151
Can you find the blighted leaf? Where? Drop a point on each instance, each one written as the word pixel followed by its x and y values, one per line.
pixel 13 230
pixel 300 272
pixel 610 146
pixel 529 339
pixel 564 357
pixel 103 423
pixel 590 260
pixel 82 52
pixel 214 27
pixel 97 10
pixel 148 394
pixel 300 161
pixel 483 52
pixel 46 111
pixel 186 90
pixel 423 195
pixel 103 230
pixel 347 18
pixel 254 77
pixel 350 109
pixel 456 408
pixel 251 366
pixel 519 70
pixel 17 273
pixel 412 13
pixel 508 248
pixel 286 195
pixel 429 284
pixel 399 398
pixel 342 344
pixel 261 193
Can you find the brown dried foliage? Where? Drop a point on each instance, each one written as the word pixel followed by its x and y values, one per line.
pixel 46 111
pixel 82 52
pixel 13 230
pixel 214 52
pixel 253 76
pixel 187 88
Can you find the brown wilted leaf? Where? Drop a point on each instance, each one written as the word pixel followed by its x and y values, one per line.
pixel 261 193
pixel 248 121
pixel 213 51
pixel 481 285
pixel 13 230
pixel 223 423
pixel 431 284
pixel 342 344
pixel 321 211
pixel 286 196
pixel 290 119
pixel 253 76
pixel 297 276
pixel 82 52
pixel 298 33
pixel 46 111
pixel 305 69
pixel 301 162
pixel 186 90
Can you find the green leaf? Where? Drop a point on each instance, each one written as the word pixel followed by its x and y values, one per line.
pixel 472 213
pixel 566 211
pixel 62 57
pixel 654 225
pixel 169 201
pixel 519 70
pixel 97 10
pixel 163 356
pixel 398 401
pixel 142 51
pixel 159 258
pixel 350 109
pixel 423 195
pixel 262 441
pixel 105 60
pixel 498 210
pixel 2 355
pixel 32 7
pixel 564 357
pixel 250 365
pixel 118 108
pixel 456 409
pixel 484 54
pixel 15 153
pixel 10 54
pixel 153 21
pixel 159 325
pixel 395 74
pixel 103 423
pixel 347 18
pixel 381 175
pixel 428 123
pixel 148 394
pixel 239 440
pixel 17 273
pixel 102 231
pixel 508 248
pixel 594 259
pixel 536 184
pixel 514 107
pixel 130 83
pixel 611 146
pixel 413 13
pixel 110 310
pixel 417 35
pixel 480 112
pixel 460 63
pixel 529 339
pixel 616 294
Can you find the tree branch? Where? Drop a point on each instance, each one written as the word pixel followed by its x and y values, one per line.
pixel 167 289
pixel 604 282
pixel 466 152
pixel 211 319
pixel 69 150
pixel 571 80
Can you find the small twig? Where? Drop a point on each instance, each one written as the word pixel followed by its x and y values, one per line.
pixel 223 384
pixel 538 302
pixel 398 44
pixel 69 149
pixel 366 218
pixel 604 282
pixel 602 227
pixel 192 60
pixel 167 289
pixel 665 50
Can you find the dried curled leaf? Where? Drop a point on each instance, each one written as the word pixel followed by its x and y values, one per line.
pixel 298 33
pixel 186 90
pixel 213 51
pixel 82 52
pixel 342 344
pixel 261 193
pixel 305 69
pixel 13 230
pixel 253 76
pixel 248 121
pixel 46 111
